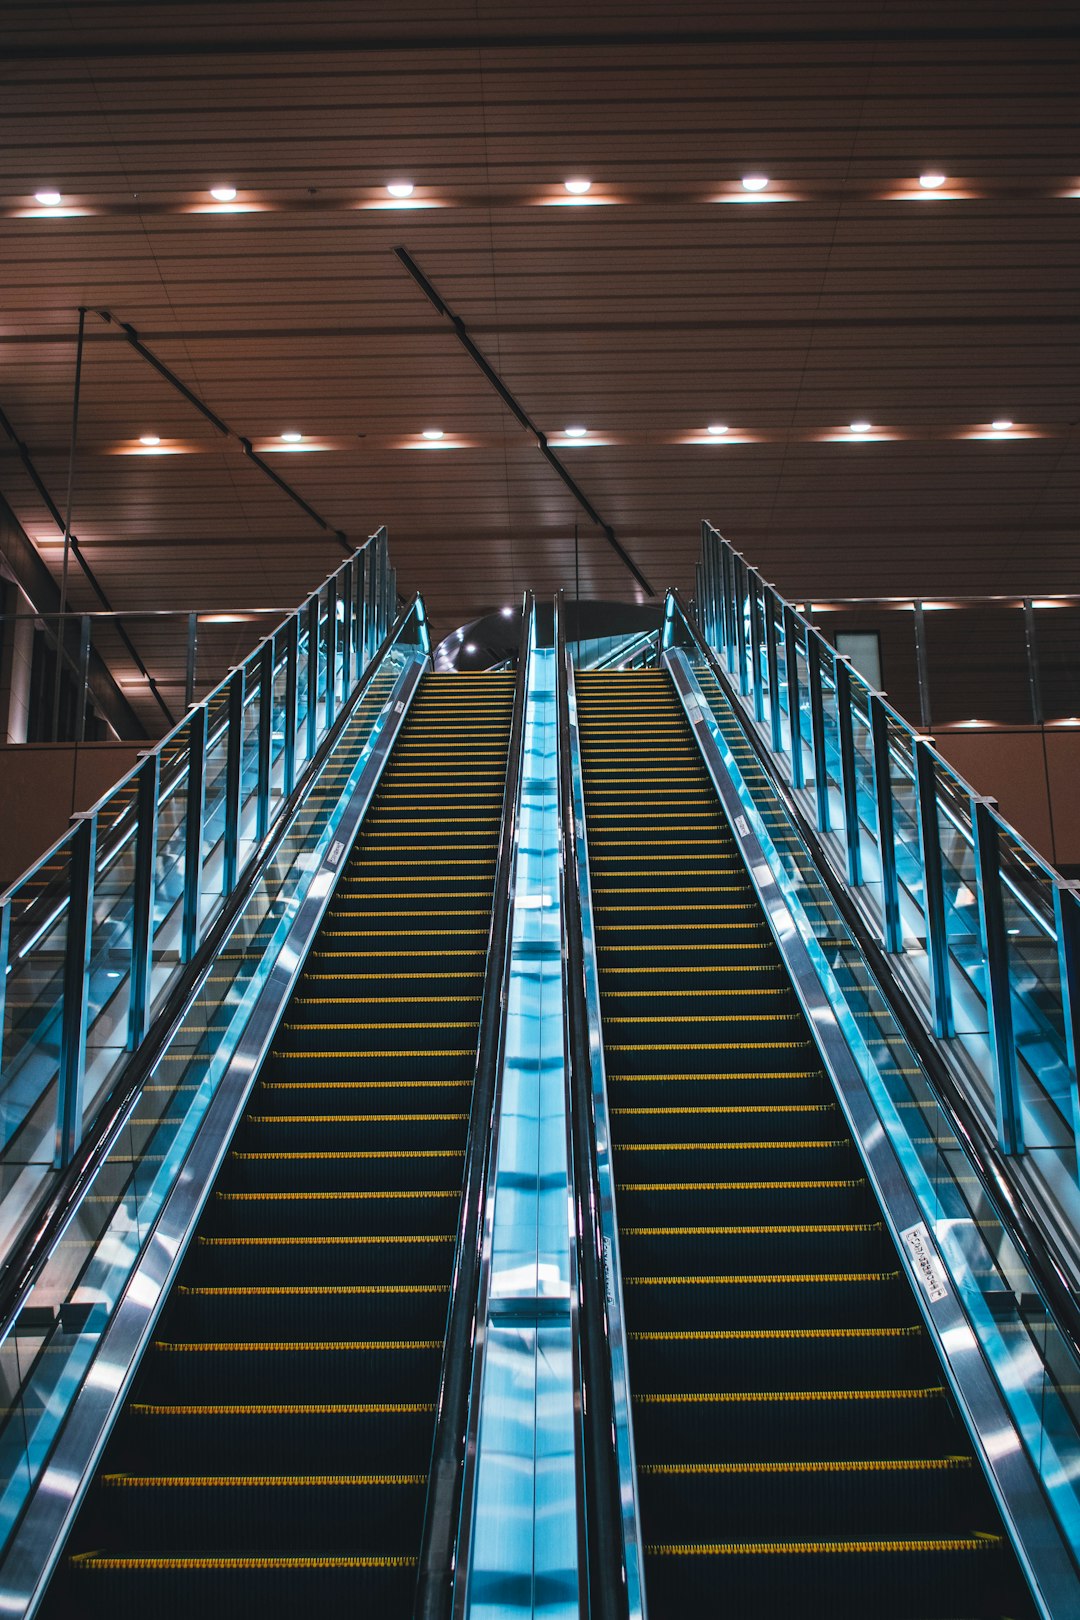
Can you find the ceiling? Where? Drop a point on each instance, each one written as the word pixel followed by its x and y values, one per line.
pixel 667 299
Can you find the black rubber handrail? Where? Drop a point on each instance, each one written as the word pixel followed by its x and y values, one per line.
pixel 438 1547
pixel 608 1592
pixel 46 1225
pixel 1007 1200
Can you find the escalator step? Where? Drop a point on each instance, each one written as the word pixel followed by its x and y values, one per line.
pixel 272 1458
pixel 797 1452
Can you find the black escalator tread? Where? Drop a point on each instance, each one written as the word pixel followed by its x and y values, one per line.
pixel 272 1458
pixel 796 1448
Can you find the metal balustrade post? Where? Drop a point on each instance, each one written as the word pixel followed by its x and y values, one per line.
pixel 312 610
pixel 937 942
pixel 794 696
pixel 266 715
pixel 849 785
pixel 702 578
pixel 700 603
pixel 72 1071
pixel 1010 1127
pixel 234 759
pixel 142 907
pixel 193 833
pixel 754 589
pixel 814 649
pixel 331 651
pixel 776 730
pixel 892 927
pixel 1067 921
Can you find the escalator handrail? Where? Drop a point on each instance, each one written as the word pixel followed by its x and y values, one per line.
pixel 438 1547
pixel 31 1254
pixel 1032 1243
pixel 608 1591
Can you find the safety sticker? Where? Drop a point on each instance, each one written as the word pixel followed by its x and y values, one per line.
pixel 741 827
pixel 333 854
pixel 928 1267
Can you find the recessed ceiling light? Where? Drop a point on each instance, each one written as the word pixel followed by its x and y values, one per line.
pixel 932 180
pixel 223 193
pixel 717 428
pixel 577 188
pixel 400 188
pixel 1002 425
pixel 48 199
pixel 754 182
pixel 575 432
pixel 432 433
pixel 292 437
pixel 149 438
pixel 508 613
pixel 861 427
pixel 469 647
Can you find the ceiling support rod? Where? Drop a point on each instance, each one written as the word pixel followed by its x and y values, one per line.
pixel 129 333
pixel 91 578
pixel 521 415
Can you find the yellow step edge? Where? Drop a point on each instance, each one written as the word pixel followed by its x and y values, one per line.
pixel 911 1465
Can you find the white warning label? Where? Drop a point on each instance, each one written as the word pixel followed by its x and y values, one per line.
pixel 928 1267
pixel 741 827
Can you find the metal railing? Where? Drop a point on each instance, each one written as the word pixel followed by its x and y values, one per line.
pixel 982 933
pixel 1002 1321
pixel 74 1320
pixel 95 935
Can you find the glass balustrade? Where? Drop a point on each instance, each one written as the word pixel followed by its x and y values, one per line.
pixel 978 924
pixel 50 1341
pixel 94 936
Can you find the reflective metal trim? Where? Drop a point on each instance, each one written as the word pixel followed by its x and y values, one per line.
pixel 1042 1552
pixel 609 1223
pixel 38 1542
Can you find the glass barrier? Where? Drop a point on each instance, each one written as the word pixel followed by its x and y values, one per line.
pixel 1032 1361
pixel 50 1344
pixel 96 933
pixel 980 927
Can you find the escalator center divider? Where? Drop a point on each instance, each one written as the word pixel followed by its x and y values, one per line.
pixel 796 1449
pixel 273 1453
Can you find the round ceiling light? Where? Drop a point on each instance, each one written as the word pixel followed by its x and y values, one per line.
pixel 861 426
pixel 577 188
pixel 292 437
pixel 48 199
pixel 432 433
pixel 931 180
pixel 400 188
pixel 223 193
pixel 575 432
pixel 716 428
pixel 149 439
pixel 754 182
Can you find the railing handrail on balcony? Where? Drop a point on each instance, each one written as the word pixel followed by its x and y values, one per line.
pixel 81 973
pixel 922 853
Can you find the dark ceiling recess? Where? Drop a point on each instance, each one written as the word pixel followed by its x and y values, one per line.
pixel 664 302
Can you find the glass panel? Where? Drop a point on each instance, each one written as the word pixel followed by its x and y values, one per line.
pixel 214 814
pixel 249 761
pixel 30 1046
pixel 277 726
pixel 1057 637
pixel 44 1359
pixel 973 652
pixel 168 883
pixel 108 985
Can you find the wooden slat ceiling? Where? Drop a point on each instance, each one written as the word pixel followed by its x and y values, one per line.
pixel 671 304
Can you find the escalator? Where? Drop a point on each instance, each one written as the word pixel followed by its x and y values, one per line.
pixel 273 1454
pixel 797 1450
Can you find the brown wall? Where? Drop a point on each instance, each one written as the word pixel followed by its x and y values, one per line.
pixel 1034 775
pixel 42 785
